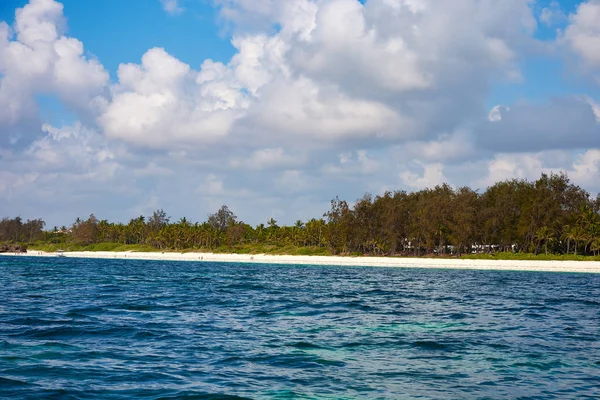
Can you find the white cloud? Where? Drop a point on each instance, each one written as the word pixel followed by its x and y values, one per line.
pixel 163 103
pixel 351 164
pixel 586 169
pixel 595 108
pixel 320 98
pixel 582 36
pixel 459 145
pixel 293 181
pixel 152 169
pixel 432 175
pixel 12 181
pixel 561 123
pixel 303 109
pixel 172 6
pixel 73 148
pixel 582 167
pixel 71 170
pixel 510 166
pixel 335 70
pixel 495 114
pixel 269 158
pixel 41 60
pixel 552 15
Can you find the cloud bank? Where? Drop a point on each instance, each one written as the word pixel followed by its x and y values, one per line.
pixel 321 98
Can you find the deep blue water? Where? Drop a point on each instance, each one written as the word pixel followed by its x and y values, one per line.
pixel 77 328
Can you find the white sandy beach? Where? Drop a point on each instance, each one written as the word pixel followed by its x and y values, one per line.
pixel 502 265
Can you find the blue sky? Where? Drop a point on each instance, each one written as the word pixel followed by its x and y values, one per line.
pixel 274 108
pixel 120 32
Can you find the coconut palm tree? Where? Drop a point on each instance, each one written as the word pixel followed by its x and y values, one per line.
pixel 579 235
pixel 595 246
pixel 546 235
pixel 566 235
pixel 593 234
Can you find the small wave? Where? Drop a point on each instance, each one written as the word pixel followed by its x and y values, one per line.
pixel 350 345
pixel 378 292
pixel 199 279
pixel 497 346
pixel 311 333
pixel 542 366
pixel 228 360
pixel 84 311
pixel 69 332
pixel 534 315
pixel 567 300
pixel 61 332
pixel 429 345
pixel 203 396
pixel 136 307
pixel 32 321
pixel 58 345
pixel 146 335
pixel 246 286
pixel 305 345
pixel 457 316
pixel 6 383
pixel 261 314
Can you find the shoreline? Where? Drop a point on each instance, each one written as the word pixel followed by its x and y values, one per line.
pixel 388 262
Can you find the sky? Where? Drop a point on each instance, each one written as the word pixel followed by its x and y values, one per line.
pixel 275 107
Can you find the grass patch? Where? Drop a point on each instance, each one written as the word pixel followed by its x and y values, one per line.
pixel 291 250
pixel 530 257
pixel 53 247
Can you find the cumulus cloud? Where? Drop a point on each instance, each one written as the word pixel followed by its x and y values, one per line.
pixel 163 103
pixel 458 146
pixel 64 172
pixel 583 167
pixel 336 70
pixel 586 169
pixel 320 98
pixel 431 175
pixel 36 58
pixel 582 36
pixel 351 164
pixel 513 166
pixel 385 70
pixel 559 124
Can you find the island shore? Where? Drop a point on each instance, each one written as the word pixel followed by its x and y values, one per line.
pixel 440 263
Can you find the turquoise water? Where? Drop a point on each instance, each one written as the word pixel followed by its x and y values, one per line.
pixel 113 329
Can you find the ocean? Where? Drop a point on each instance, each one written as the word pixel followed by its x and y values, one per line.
pixel 121 329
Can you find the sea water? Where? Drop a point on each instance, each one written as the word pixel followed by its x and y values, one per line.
pixel 120 329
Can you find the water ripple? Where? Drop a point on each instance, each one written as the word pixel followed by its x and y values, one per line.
pixel 121 329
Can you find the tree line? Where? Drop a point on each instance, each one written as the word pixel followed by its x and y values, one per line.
pixel 549 215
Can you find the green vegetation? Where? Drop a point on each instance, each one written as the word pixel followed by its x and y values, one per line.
pixel 530 256
pixel 52 247
pixel 549 218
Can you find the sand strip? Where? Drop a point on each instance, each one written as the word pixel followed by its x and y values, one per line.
pixel 502 265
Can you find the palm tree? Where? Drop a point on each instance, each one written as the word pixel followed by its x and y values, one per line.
pixel 566 235
pixel 579 235
pixel 298 232
pixel 546 235
pixel 595 246
pixel 593 234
